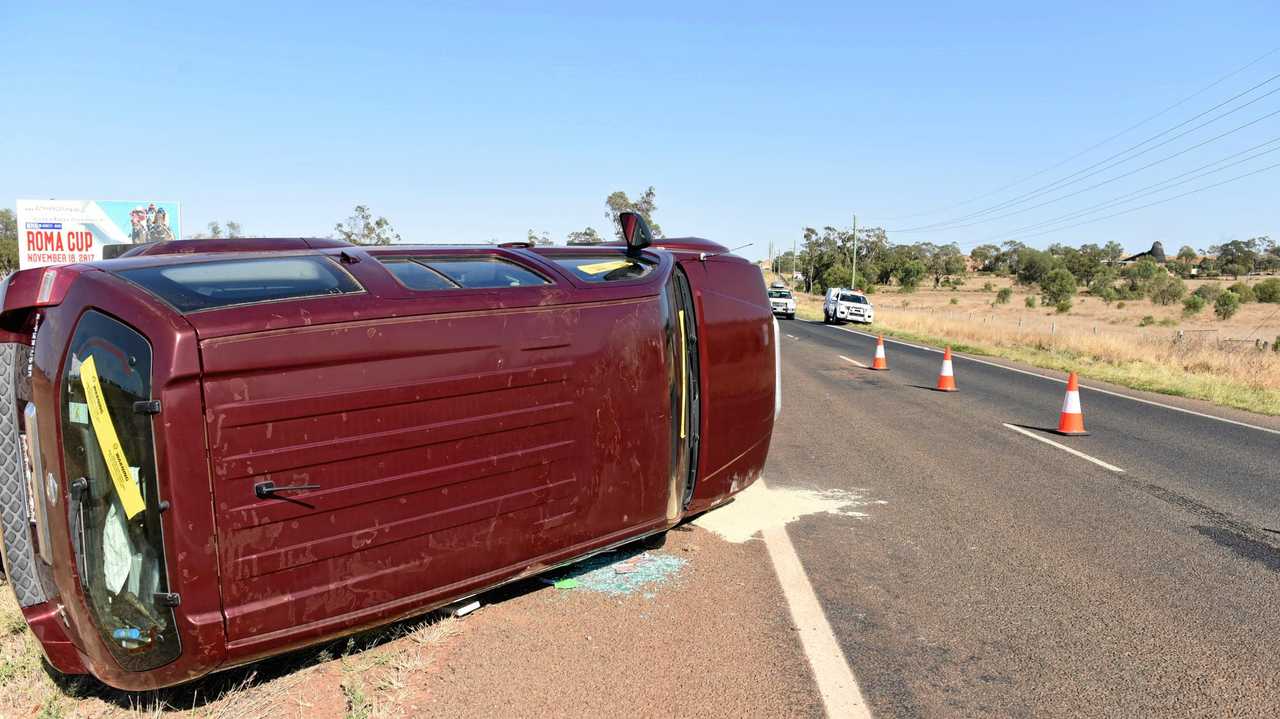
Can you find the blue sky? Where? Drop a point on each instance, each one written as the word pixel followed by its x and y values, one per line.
pixel 751 120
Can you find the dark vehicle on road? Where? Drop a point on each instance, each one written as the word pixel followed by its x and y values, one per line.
pixel 217 451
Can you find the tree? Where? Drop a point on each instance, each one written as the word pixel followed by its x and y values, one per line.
pixel 1113 252
pixel 1033 265
pixel 589 236
pixel 362 229
pixel 1165 290
pixel 1058 285
pixel 543 239
pixel 909 274
pixel 645 205
pixel 1237 257
pixel 1227 304
pixel 8 241
pixel 945 262
pixel 983 255
pixel 215 231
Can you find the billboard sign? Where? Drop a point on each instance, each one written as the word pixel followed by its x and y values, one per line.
pixel 62 232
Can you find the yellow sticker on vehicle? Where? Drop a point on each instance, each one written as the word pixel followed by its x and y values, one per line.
pixel 109 442
pixel 600 268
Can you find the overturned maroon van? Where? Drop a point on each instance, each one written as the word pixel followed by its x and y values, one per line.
pixel 216 451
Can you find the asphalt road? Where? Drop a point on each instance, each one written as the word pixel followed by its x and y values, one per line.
pixel 1003 576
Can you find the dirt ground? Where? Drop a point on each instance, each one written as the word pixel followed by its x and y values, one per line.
pixel 690 626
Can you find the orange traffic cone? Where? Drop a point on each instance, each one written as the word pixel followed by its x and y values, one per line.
pixel 947 378
pixel 879 362
pixel 1071 422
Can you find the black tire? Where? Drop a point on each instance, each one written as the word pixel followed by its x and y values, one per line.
pixel 791 315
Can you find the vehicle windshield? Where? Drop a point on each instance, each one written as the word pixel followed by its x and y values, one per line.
pixel 856 299
pixel 780 294
pixel 111 473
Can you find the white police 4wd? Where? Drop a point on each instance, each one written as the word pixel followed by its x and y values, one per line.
pixel 782 302
pixel 847 305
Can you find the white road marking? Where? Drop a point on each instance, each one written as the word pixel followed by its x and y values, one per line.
pixel 839 689
pixel 1064 448
pixel 846 359
pixel 793 337
pixel 1099 390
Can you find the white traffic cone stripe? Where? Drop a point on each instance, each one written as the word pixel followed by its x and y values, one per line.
pixel 1071 404
pixel 880 351
pixel 946 369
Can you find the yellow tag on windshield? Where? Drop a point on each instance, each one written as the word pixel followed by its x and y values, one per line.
pixel 112 452
pixel 600 268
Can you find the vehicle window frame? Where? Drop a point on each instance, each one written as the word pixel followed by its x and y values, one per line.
pixel 654 264
pixel 426 261
pixel 546 257
pixel 418 260
pixel 363 290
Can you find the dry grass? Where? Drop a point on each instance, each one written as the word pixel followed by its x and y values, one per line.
pixel 1100 341
pixel 374 674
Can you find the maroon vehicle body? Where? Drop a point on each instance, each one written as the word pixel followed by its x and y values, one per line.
pixel 313 466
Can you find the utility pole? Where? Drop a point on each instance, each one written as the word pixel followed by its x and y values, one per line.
pixel 853 273
pixel 794 257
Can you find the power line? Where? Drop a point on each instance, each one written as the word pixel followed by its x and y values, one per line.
pixel 1157 202
pixel 1123 175
pixel 1100 143
pixel 1077 174
pixel 1148 190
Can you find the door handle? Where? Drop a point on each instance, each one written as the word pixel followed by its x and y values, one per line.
pixel 265 490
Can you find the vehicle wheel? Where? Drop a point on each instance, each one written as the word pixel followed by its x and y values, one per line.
pixel 791 316
pixel 826 318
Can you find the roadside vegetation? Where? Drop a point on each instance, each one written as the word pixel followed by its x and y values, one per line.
pixel 1212 334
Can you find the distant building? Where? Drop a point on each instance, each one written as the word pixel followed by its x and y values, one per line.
pixel 1156 253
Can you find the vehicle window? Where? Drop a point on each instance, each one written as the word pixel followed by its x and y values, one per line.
pixel 481 272
pixel 856 299
pixel 605 269
pixel 784 294
pixel 109 457
pixel 208 285
pixel 417 276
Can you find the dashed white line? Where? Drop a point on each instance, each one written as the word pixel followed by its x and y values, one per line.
pixel 1059 380
pixel 839 689
pixel 793 337
pixel 1064 448
pixel 846 359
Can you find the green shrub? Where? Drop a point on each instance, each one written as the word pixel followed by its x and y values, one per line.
pixel 1004 295
pixel 955 301
pixel 1146 321
pixel 1193 305
pixel 987 287
pixel 1245 292
pixel 1209 291
pixel 1120 306
pixel 1030 302
pixel 1063 306
pixel 1227 304
pixel 1107 294
pixel 1166 322
pixel 1057 285
pixel 1268 290
pixel 1275 346
pixel 909 275
pixel 1165 289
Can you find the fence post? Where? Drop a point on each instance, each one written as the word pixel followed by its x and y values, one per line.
pixel 1053 327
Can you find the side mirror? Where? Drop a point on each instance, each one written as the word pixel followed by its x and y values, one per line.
pixel 636 232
